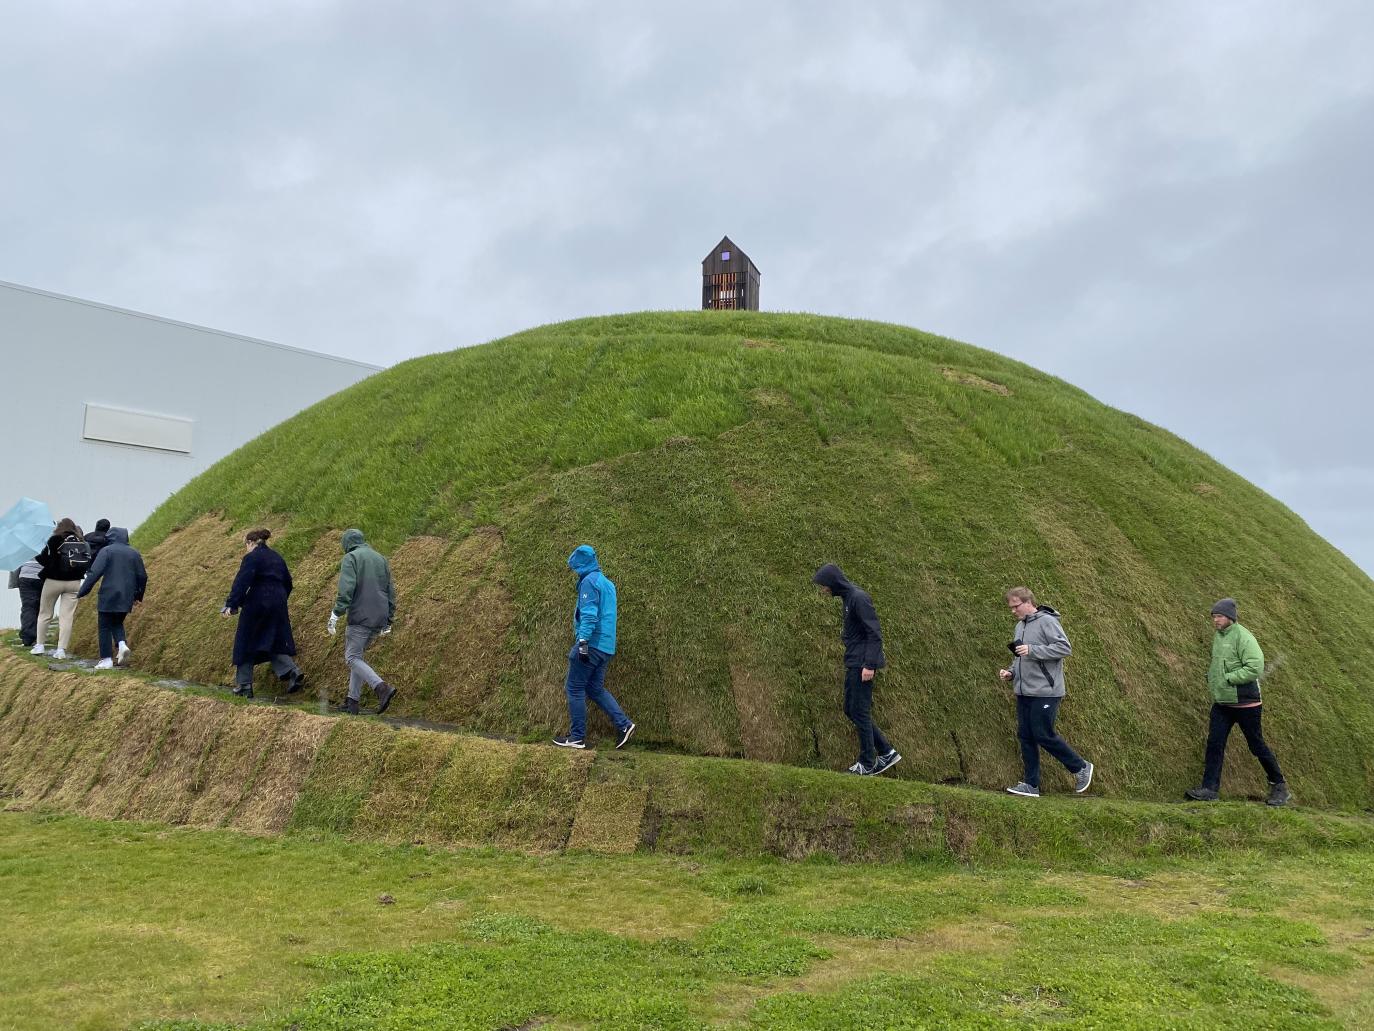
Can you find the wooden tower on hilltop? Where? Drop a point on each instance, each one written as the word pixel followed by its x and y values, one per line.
pixel 729 279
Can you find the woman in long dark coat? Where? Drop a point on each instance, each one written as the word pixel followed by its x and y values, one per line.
pixel 259 598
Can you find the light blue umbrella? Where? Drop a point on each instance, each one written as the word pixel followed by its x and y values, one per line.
pixel 24 529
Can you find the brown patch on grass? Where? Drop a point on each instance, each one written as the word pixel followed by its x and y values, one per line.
pixel 915 467
pixel 168 792
pixel 98 735
pixel 128 762
pixel 765 731
pixel 968 379
pixel 608 818
pixel 227 769
pixel 271 797
pixel 394 810
pixel 770 345
pixel 50 755
pixel 1205 489
pixel 41 716
pixel 13 715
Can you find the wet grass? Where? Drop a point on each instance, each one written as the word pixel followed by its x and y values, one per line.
pixel 113 924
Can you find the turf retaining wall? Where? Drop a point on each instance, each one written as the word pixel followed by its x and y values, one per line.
pixel 113 746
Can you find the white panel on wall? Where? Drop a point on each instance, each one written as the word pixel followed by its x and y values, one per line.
pixel 137 429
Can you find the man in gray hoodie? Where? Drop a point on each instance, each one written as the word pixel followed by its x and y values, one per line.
pixel 1037 673
pixel 367 595
pixel 119 568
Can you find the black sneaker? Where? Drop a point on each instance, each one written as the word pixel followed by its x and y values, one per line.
pixel 624 735
pixel 295 682
pixel 861 770
pixel 1202 793
pixel 1278 794
pixel 568 741
pixel 886 762
pixel 385 692
pixel 348 705
pixel 244 692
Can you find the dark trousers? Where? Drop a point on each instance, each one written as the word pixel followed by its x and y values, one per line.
pixel 586 681
pixel 1224 717
pixel 858 706
pixel 30 591
pixel 284 666
pixel 111 626
pixel 1035 730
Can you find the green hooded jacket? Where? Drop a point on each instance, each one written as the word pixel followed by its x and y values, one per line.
pixel 1237 665
pixel 365 590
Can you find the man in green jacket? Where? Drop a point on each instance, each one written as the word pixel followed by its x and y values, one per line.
pixel 366 594
pixel 1234 679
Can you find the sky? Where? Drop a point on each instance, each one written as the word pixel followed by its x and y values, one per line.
pixel 1167 204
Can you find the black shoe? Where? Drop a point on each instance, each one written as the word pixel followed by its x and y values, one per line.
pixel 385 692
pixel 1278 794
pixel 1202 794
pixel 244 692
pixel 568 741
pixel 624 735
pixel 348 705
pixel 886 762
pixel 295 682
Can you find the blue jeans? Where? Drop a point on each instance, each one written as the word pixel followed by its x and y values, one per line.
pixel 587 680
pixel 1035 728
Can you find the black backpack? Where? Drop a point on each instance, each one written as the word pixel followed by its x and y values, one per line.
pixel 73 559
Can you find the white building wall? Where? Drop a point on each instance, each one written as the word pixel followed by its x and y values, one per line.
pixel 76 377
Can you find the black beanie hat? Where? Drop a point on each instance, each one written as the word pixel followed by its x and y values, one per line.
pixel 1226 607
pixel 101 525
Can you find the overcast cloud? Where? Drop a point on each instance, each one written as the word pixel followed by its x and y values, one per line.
pixel 1167 204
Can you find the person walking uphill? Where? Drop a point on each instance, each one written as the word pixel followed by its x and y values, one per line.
pixel 258 597
pixel 119 571
pixel 1037 675
pixel 65 559
pixel 863 657
pixel 594 618
pixel 28 580
pixel 367 595
pixel 1234 680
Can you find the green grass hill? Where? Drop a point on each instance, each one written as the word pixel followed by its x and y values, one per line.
pixel 715 460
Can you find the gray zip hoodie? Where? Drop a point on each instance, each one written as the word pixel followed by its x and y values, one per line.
pixel 1041 673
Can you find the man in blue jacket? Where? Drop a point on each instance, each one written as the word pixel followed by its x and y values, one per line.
pixel 119 571
pixel 594 630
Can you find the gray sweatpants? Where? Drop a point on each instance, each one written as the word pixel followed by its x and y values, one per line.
pixel 282 665
pixel 357 639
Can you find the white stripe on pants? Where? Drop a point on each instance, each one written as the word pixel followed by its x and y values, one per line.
pixel 66 612
pixel 357 639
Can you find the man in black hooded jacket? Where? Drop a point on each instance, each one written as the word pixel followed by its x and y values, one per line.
pixel 863 657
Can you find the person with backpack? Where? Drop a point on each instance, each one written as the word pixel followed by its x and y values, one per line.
pixel 594 619
pixel 66 559
pixel 863 657
pixel 98 538
pixel 367 595
pixel 1037 674
pixel 258 597
pixel 1234 681
pixel 28 581
pixel 119 571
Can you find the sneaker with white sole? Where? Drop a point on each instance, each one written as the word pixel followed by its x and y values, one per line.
pixel 105 664
pixel 886 762
pixel 1082 779
pixel 61 653
pixel 122 656
pixel 37 649
pixel 1024 790
pixel 568 741
pixel 624 736
pixel 862 770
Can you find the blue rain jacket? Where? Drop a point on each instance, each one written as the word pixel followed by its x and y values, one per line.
pixel 594 616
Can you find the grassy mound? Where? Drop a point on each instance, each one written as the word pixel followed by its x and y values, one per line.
pixel 111 746
pixel 715 460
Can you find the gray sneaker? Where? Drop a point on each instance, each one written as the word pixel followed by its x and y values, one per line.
pixel 886 762
pixel 1082 779
pixel 1025 790
pixel 1279 794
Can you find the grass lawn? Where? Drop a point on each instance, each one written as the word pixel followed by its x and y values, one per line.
pixel 111 924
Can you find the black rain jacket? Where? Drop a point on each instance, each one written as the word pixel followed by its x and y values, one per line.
pixel 862 637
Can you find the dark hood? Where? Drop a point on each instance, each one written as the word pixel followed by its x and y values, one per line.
pixel 832 576
pixel 117 535
pixel 352 540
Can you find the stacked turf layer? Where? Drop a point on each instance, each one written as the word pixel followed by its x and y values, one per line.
pixel 715 460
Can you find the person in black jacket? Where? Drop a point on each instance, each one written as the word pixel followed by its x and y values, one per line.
pixel 66 559
pixel 863 657
pixel 99 537
pixel 258 597
pixel 122 583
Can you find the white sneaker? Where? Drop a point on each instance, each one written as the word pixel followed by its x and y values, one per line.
pixel 59 654
pixel 105 664
pixel 37 649
pixel 122 657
